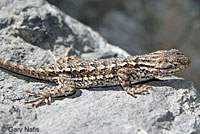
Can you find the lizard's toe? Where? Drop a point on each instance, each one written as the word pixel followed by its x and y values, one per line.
pixel 44 97
pixel 142 89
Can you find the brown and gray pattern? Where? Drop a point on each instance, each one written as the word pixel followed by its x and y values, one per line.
pixel 72 72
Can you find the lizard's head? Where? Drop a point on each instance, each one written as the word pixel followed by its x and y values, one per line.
pixel 171 61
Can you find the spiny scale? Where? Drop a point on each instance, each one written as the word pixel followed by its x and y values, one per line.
pixel 71 71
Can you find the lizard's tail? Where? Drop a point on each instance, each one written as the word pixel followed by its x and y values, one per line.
pixel 32 71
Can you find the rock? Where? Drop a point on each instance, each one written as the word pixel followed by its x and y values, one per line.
pixel 28 29
pixel 139 26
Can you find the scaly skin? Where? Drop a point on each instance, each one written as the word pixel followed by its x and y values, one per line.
pixel 71 72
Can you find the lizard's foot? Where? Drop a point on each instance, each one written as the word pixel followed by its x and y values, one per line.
pixel 57 57
pixel 65 88
pixel 66 58
pixel 45 96
pixel 139 89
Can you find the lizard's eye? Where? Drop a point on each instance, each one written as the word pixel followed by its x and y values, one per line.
pixel 169 66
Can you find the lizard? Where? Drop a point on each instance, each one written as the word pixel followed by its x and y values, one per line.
pixel 72 72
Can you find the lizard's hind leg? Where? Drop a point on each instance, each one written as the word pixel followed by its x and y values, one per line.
pixel 56 57
pixel 65 87
pixel 66 58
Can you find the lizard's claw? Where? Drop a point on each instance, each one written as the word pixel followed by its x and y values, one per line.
pixel 44 97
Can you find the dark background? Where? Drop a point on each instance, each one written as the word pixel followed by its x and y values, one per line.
pixel 141 26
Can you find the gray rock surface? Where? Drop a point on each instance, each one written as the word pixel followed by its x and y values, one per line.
pixel 28 29
pixel 140 26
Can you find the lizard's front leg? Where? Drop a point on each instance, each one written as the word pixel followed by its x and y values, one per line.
pixel 124 76
pixel 65 87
